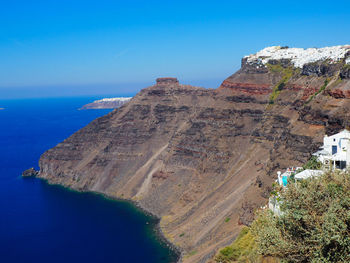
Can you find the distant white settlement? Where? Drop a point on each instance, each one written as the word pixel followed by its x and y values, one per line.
pixel 107 103
pixel 300 56
pixel 334 155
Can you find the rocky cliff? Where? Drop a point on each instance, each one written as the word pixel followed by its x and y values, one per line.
pixel 203 160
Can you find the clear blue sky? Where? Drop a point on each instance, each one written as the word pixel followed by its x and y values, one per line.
pixel 82 47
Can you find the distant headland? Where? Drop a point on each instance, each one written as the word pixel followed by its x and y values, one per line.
pixel 106 103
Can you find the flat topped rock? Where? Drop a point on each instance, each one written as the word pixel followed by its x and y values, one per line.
pixel 167 81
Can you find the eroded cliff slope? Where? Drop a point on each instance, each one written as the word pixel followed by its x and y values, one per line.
pixel 203 160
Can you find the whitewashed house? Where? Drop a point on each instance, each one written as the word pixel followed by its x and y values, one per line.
pixel 335 152
pixel 308 173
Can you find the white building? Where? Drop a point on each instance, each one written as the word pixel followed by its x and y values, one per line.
pixel 335 152
pixel 282 178
pixel 298 174
pixel 308 173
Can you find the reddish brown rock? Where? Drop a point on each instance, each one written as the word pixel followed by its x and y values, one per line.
pixel 308 92
pixel 295 87
pixel 247 88
pixel 195 156
pixel 338 94
pixel 160 175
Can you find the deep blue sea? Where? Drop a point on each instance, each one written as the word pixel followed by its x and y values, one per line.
pixel 45 223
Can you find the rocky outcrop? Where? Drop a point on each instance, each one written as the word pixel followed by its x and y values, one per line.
pixel 247 88
pixel 30 172
pixel 321 68
pixel 166 81
pixel 195 157
pixel 252 68
pixel 345 72
pixel 339 94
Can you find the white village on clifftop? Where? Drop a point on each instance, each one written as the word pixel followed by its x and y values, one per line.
pixel 300 56
pixel 333 155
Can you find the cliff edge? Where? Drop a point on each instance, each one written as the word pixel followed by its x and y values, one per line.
pixel 202 160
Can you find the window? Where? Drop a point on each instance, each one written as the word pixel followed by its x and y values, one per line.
pixel 334 149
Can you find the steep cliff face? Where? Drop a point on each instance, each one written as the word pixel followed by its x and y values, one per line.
pixel 203 160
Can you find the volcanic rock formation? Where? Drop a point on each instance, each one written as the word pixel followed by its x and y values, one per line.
pixel 196 157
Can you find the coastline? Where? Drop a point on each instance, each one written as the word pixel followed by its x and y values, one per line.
pixel 159 235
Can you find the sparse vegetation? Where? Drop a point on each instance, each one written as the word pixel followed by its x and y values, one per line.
pixel 338 81
pixel 275 189
pixel 243 249
pixel 275 68
pixel 287 73
pixel 312 164
pixel 323 87
pixel 314 225
pixel 346 66
pixel 227 219
pixel 182 234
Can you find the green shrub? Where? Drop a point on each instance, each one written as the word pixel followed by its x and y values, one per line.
pixel 346 66
pixel 312 164
pixel 315 224
pixel 243 249
pixel 287 73
pixel 322 88
pixel 275 68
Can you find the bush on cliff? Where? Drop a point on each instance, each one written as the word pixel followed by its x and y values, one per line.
pixel 315 224
pixel 313 164
pixel 243 249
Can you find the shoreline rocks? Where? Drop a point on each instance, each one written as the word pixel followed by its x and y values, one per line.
pixel 31 172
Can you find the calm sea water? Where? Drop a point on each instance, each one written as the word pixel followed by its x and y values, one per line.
pixel 44 223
